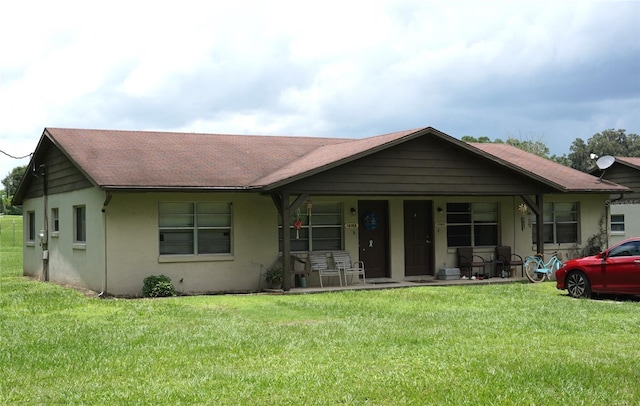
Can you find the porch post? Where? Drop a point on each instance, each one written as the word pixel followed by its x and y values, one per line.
pixel 284 209
pixel 286 242
pixel 540 223
pixel 538 209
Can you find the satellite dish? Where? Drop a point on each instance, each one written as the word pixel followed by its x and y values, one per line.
pixel 605 162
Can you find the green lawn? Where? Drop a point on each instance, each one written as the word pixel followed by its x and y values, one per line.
pixel 495 344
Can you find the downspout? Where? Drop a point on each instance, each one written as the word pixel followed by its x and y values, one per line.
pixel 104 230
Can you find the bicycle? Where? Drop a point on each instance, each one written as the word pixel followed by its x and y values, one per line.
pixel 537 270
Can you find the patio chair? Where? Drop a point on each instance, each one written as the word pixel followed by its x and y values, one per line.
pixel 320 262
pixel 505 260
pixel 467 260
pixel 342 259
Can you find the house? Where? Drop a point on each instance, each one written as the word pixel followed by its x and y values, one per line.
pixel 104 209
pixel 623 207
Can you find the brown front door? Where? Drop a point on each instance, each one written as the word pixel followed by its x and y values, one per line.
pixel 373 237
pixel 418 232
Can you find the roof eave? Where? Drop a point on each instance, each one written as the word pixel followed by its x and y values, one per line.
pixel 137 188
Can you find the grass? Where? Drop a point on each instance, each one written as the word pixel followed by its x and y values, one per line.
pixel 493 345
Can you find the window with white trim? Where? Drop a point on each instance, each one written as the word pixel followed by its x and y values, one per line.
pixel 79 224
pixel 560 223
pixel 472 224
pixel 194 228
pixel 617 223
pixel 320 231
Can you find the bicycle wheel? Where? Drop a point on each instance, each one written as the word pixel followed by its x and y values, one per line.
pixel 531 266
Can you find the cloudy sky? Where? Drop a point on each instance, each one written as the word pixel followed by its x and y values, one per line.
pixel 549 71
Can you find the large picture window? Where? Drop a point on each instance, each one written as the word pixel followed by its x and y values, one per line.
pixel 187 228
pixel 472 224
pixel 320 231
pixel 560 223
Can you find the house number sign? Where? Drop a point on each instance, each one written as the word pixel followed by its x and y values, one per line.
pixel 350 225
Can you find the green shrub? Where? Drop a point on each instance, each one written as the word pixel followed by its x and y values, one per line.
pixel 274 273
pixel 158 286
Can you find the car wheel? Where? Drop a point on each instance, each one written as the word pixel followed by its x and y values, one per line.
pixel 578 285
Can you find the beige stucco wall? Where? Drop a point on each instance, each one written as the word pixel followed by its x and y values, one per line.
pixel 131 239
pixel 133 246
pixel 68 263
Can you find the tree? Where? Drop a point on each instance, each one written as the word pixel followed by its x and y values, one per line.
pixel 11 182
pixel 579 157
pixel 535 147
pixel 608 142
pixel 470 138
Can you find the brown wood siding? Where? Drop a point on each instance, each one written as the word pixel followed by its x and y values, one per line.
pixel 62 175
pixel 423 166
pixel 626 176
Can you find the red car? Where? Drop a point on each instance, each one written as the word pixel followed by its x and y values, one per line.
pixel 614 270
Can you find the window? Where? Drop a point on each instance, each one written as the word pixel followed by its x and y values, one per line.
pixel 628 249
pixel 187 228
pixel 560 223
pixel 31 226
pixel 320 231
pixel 79 224
pixel 55 220
pixel 617 223
pixel 472 224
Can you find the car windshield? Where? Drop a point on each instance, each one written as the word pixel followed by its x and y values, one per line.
pixel 627 249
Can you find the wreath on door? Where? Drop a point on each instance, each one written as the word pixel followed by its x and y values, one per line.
pixel 370 221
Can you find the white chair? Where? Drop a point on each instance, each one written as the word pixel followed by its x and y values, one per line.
pixel 320 262
pixel 343 262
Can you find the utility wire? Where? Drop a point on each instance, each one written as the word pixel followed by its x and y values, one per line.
pixel 16 157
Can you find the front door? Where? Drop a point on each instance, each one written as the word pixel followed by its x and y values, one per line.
pixel 373 237
pixel 418 231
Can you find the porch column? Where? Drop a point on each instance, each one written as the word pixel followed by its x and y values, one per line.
pixel 284 209
pixel 540 223
pixel 538 209
pixel 286 243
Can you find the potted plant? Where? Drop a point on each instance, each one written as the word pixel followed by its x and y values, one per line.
pixel 273 275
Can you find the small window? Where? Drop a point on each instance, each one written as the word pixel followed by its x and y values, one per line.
pixel 31 226
pixel 55 220
pixel 617 223
pixel 79 224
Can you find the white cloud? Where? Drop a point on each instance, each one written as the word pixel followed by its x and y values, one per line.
pixel 563 69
